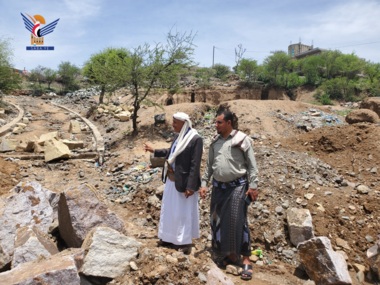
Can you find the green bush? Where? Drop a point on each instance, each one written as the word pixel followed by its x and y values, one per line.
pixel 293 80
pixel 322 98
pixel 325 99
pixel 221 71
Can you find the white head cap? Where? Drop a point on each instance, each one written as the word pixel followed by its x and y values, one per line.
pixel 183 117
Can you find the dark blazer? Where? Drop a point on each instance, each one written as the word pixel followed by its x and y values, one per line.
pixel 187 165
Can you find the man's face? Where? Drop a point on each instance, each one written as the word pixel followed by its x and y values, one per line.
pixel 177 125
pixel 221 125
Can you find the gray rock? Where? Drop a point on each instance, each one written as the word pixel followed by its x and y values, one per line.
pixel 215 276
pixel 55 270
pixel 300 225
pixel 323 265
pixel 32 244
pixel 79 211
pixel 362 189
pixel 29 205
pixel 108 253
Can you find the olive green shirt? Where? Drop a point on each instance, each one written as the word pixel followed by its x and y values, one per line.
pixel 227 163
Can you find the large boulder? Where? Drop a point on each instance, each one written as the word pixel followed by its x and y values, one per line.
pixel 119 249
pixel 79 211
pixel 55 149
pixel 58 269
pixel 28 205
pixel 322 264
pixel 8 144
pixel 32 244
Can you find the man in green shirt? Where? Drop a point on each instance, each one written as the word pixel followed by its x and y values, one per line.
pixel 231 163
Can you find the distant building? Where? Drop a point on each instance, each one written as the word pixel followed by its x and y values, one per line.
pixel 21 72
pixel 300 50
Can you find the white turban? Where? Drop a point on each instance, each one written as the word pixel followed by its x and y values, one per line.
pixel 185 135
pixel 183 117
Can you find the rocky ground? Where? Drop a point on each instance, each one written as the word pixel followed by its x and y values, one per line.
pixel 308 157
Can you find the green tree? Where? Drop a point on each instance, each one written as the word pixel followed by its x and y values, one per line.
pixel 9 78
pixel 330 68
pixel 310 67
pixel 372 71
pixel 248 70
pixel 291 80
pixel 67 74
pixel 349 65
pixel 36 76
pixel 50 76
pixel 107 68
pixel 369 83
pixel 149 66
pixel 276 66
pixel 40 75
pixel 171 80
pixel 221 71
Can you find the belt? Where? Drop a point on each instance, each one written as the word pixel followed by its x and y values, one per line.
pixel 234 183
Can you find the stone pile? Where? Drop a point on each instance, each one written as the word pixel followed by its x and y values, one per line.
pixel 83 94
pixel 121 112
pixel 49 144
pixel 310 119
pixel 350 105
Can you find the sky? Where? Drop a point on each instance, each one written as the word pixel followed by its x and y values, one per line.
pixel 87 27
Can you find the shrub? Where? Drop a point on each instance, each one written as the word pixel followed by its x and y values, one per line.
pixel 221 71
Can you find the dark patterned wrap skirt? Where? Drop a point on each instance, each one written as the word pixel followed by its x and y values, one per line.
pixel 229 226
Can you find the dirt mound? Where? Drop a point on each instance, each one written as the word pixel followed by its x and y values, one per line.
pixel 372 103
pixel 354 150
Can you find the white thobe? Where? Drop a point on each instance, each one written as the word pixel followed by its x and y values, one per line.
pixel 179 218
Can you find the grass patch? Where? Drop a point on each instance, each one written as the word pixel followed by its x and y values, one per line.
pixel 343 113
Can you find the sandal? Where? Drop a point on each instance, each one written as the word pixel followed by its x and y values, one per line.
pixel 247 272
